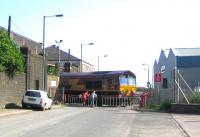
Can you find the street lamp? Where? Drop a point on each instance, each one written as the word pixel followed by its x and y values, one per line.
pixel 58 42
pixel 148 83
pixel 82 55
pixel 44 56
pixel 98 60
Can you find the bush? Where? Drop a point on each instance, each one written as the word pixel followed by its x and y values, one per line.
pixel 11 60
pixel 150 105
pixel 166 105
pixel 195 98
pixel 53 70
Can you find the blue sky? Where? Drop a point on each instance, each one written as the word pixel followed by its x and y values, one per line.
pixel 130 32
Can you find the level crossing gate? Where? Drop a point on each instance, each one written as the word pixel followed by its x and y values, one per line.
pixel 120 101
pixel 110 101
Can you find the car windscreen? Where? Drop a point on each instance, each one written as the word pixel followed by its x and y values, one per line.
pixel 33 94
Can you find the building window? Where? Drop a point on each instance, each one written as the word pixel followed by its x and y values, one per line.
pixel 37 84
pixel 67 66
pixel 165 83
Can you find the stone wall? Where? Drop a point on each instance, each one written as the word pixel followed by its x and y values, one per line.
pixel 35 47
pixel 11 90
pixel 35 72
pixel 185 108
pixel 34 61
pixel 52 85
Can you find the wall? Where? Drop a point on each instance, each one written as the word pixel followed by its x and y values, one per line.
pixel 192 76
pixel 86 67
pixel 35 47
pixel 185 108
pixel 35 72
pixel 34 63
pixel 188 67
pixel 11 91
pixel 51 89
pixel 162 95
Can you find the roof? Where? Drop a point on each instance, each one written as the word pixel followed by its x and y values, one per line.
pixel 19 35
pixel 186 51
pixel 98 74
pixel 53 54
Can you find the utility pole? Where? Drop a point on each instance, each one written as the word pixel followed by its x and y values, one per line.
pixel 9 26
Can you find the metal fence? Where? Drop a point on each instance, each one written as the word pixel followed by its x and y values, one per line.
pixel 74 99
pixel 119 101
pixel 111 101
pixel 183 92
pixel 78 100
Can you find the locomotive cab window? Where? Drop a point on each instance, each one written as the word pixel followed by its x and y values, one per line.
pixel 123 80
pixel 131 81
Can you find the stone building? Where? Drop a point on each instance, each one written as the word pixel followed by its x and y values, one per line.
pixel 68 62
pixel 13 90
pixel 33 60
pixel 60 61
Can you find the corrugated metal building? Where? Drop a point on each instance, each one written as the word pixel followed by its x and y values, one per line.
pixel 179 74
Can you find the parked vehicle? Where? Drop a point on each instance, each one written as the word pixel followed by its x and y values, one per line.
pixel 36 99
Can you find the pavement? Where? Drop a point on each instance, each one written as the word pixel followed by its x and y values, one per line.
pixel 188 123
pixel 14 111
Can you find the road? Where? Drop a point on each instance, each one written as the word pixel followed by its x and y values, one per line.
pixel 90 122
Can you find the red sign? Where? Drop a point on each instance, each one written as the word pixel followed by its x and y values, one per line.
pixel 157 77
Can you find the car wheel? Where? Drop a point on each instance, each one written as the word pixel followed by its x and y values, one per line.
pixel 50 107
pixel 23 105
pixel 44 107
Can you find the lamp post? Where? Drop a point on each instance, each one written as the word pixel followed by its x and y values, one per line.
pixel 98 60
pixel 148 83
pixel 44 56
pixel 82 55
pixel 58 42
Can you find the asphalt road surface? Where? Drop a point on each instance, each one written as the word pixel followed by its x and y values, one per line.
pixel 90 122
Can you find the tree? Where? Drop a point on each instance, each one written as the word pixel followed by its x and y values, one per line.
pixel 11 60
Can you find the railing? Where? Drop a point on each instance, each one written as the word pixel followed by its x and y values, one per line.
pixel 190 89
pixel 119 101
pixel 183 91
pixel 78 100
pixel 75 99
pixel 105 101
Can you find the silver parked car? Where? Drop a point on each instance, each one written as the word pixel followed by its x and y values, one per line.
pixel 36 99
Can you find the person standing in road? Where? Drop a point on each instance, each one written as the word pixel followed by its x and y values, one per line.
pixel 85 97
pixel 93 98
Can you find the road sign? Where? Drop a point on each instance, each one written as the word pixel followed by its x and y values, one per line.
pixel 157 77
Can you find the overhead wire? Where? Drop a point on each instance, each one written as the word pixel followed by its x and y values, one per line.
pixel 18 28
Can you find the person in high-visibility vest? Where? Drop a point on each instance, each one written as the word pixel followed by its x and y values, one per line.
pixel 85 97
